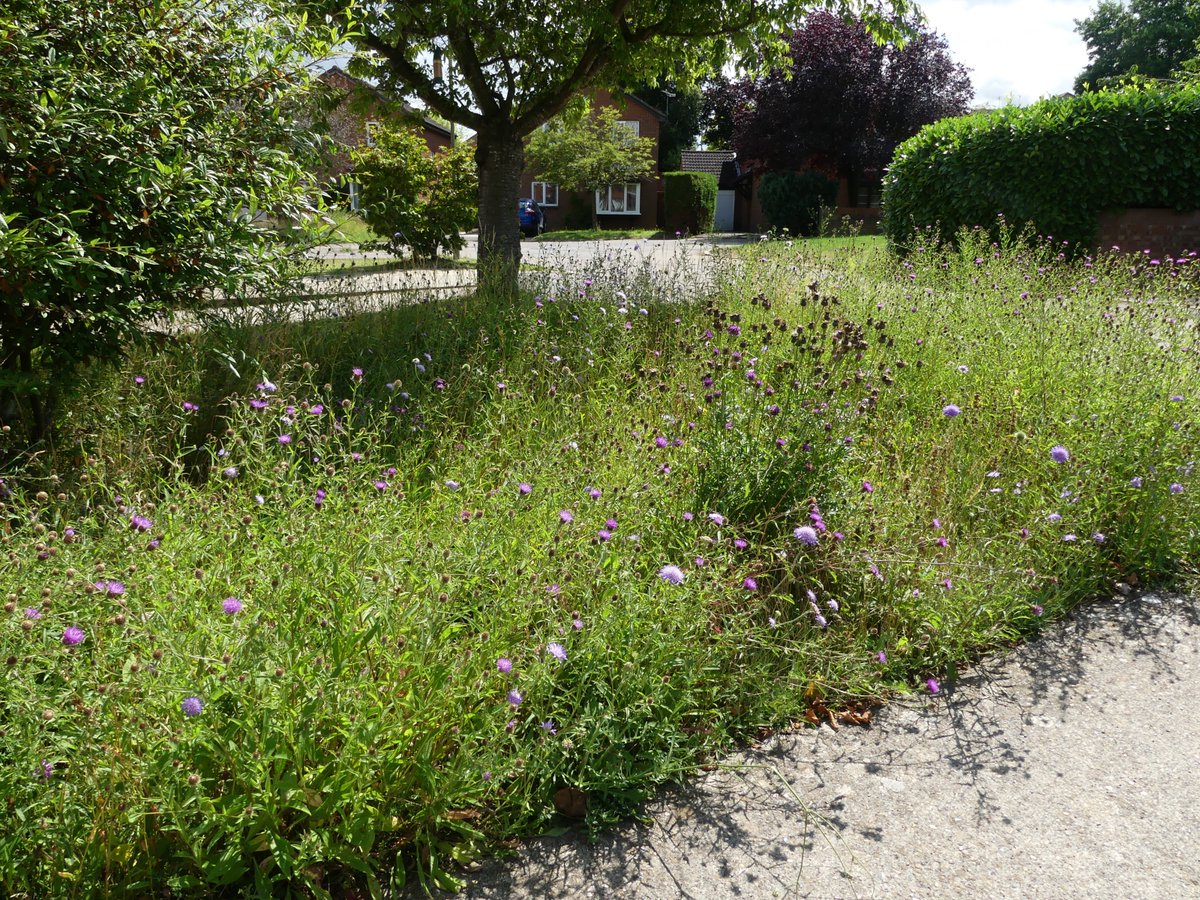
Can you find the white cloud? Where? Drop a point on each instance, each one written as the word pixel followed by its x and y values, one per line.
pixel 1018 50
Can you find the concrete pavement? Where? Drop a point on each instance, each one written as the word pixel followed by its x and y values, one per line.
pixel 1067 768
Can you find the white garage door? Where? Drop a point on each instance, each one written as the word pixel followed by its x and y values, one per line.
pixel 724 211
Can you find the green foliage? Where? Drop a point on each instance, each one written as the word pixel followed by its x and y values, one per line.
pixel 355 724
pixel 138 144
pixel 684 110
pixel 1151 38
pixel 1055 165
pixel 690 202
pixel 585 149
pixel 793 200
pixel 427 198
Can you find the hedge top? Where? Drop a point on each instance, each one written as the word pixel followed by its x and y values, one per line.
pixel 1055 165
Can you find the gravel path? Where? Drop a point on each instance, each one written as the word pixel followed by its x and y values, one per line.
pixel 1069 767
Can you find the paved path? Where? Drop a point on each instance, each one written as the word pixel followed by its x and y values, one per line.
pixel 1067 768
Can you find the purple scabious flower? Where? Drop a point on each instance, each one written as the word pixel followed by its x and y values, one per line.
pixel 1099 537
pixel 1069 538
pixel 514 697
pixel 72 636
pixel 191 706
pixel 806 534
pixel 557 651
pixel 452 484
pixel 1059 453
pixel 951 410
pixel 549 726
pixel 1136 481
pixel 232 606
pixel 673 574
pixel 1176 488
pixel 504 665
pixel 230 472
pixel 566 516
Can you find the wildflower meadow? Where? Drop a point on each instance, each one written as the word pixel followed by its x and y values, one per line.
pixel 326 606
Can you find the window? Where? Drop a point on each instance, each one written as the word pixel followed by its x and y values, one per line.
pixel 545 193
pixel 866 189
pixel 619 200
pixel 372 126
pixel 632 126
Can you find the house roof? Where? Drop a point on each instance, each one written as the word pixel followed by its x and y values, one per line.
pixel 711 161
pixel 384 97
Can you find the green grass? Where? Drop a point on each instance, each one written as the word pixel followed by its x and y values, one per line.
pixel 349 228
pixel 357 721
pixel 600 234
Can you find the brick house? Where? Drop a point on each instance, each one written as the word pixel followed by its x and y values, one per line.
pixel 637 205
pixel 357 109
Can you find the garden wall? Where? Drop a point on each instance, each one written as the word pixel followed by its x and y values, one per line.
pixel 1164 232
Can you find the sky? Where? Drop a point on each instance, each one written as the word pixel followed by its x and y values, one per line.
pixel 1017 50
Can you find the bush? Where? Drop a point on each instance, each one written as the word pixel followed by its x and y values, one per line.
pixel 691 202
pixel 793 200
pixel 128 190
pixel 427 198
pixel 1055 165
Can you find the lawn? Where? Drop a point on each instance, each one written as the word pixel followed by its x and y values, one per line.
pixel 343 603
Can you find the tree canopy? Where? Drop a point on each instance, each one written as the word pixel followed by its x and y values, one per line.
pixel 1150 37
pixel 843 102
pixel 512 66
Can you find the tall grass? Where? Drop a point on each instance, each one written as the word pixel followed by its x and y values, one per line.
pixel 453 601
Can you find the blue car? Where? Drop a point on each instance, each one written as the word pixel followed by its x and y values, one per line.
pixel 531 217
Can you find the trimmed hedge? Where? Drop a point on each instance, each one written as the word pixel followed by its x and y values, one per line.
pixel 690 202
pixel 793 200
pixel 1055 165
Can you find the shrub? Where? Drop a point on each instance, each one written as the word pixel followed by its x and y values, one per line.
pixel 1054 165
pixel 427 198
pixel 691 201
pixel 793 200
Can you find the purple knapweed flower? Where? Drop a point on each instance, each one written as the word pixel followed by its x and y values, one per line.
pixel 267 387
pixel 1059 453
pixel 1054 517
pixel 514 697
pixel 1099 537
pixel 381 485
pixel 881 657
pixel 258 403
pixel 140 523
pixel 951 410
pixel 32 612
pixel 661 442
pixel 504 665
pixel 524 488
pixel 673 574
pixel 750 584
pixel 189 406
pixel 868 488
pixel 687 516
pixel 549 726
pixel 1176 488
pixel 805 534
pixel 45 770
pixel 1069 538
pixel 452 484
pixel 594 493
pixel 284 439
pixel 356 373
pixel 139 380
pixel 1037 609
pixel 933 686
pixel 231 605
pixel 716 518
pixel 557 651
pixel 112 588
pixel 603 535
pixel 740 544
pixel 577 623
pixel 566 516
pixel 191 706
pixel 1135 481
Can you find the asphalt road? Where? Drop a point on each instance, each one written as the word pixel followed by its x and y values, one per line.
pixel 1067 768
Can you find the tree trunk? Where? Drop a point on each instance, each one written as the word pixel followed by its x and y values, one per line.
pixel 500 157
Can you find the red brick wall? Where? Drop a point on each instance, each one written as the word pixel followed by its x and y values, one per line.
pixel 1163 232
pixel 648 217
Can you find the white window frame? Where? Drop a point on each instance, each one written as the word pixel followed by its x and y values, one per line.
pixel 604 199
pixel 634 126
pixel 355 196
pixel 542 190
pixel 372 124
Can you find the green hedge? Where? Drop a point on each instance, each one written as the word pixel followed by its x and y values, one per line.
pixel 793 200
pixel 690 201
pixel 1055 165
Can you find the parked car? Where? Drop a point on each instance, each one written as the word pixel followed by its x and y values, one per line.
pixel 531 217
